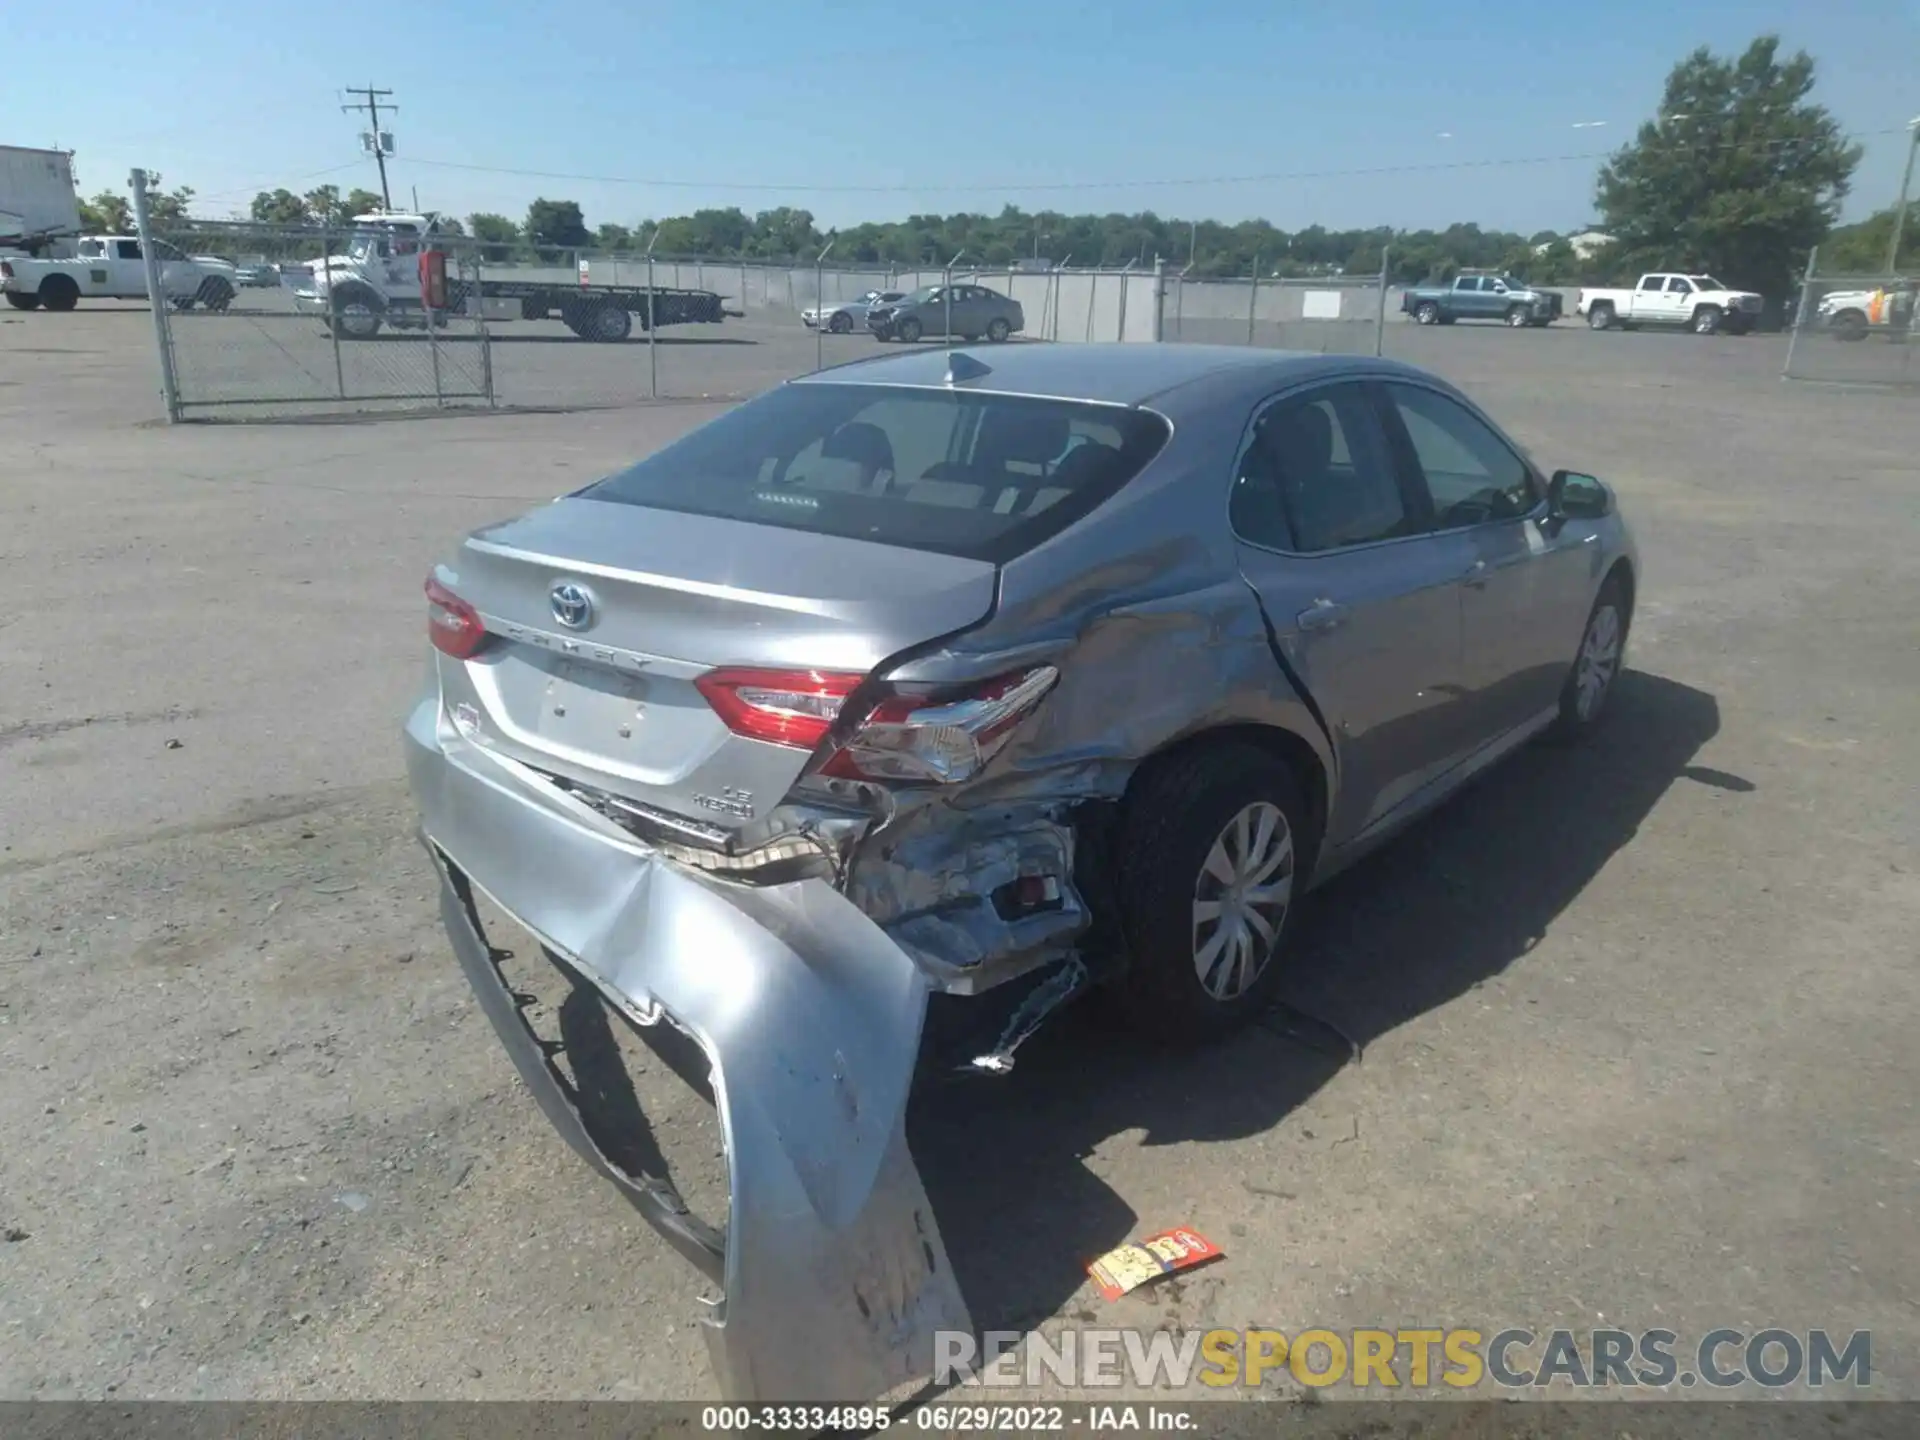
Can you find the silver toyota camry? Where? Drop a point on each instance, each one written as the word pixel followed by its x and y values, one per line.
pixel 1001 673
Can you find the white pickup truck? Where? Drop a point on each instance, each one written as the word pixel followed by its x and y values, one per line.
pixel 1699 302
pixel 110 267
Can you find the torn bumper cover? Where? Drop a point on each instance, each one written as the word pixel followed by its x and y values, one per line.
pixel 833 1273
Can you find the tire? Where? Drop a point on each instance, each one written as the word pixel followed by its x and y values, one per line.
pixel 1847 325
pixel 1600 317
pixel 59 292
pixel 1706 320
pixel 20 301
pixel 1596 664
pixel 1426 313
pixel 1180 841
pixel 605 324
pixel 355 316
pixel 215 293
pixel 1518 317
pixel 998 331
pixel 908 330
pixel 841 323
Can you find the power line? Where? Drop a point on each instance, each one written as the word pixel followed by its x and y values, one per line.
pixel 1021 187
pixel 279 184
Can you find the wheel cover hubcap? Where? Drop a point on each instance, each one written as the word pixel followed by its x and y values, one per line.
pixel 1599 660
pixel 1240 900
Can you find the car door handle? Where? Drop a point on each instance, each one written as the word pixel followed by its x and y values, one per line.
pixel 1322 615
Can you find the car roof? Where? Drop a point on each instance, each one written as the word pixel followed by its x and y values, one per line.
pixel 1112 373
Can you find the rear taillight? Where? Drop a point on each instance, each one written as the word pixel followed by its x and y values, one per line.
pixel 939 739
pixel 453 625
pixel 902 738
pixel 784 707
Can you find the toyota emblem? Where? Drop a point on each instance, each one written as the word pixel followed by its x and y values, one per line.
pixel 572 605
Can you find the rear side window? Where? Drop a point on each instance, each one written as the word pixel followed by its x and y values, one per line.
pixel 1316 476
pixel 982 476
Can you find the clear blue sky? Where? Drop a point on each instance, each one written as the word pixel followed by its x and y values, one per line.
pixel 1013 97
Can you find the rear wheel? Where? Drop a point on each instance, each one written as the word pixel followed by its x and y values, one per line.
pixel 998 331
pixel 59 292
pixel 1211 845
pixel 608 324
pixel 1426 313
pixel 22 302
pixel 908 330
pixel 1600 317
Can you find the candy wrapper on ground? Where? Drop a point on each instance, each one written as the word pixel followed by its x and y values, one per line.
pixel 1131 1266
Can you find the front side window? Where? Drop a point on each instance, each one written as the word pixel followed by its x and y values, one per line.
pixel 982 476
pixel 1471 474
pixel 1679 286
pixel 1316 476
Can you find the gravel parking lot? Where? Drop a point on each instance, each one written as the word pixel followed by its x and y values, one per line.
pixel 1636 1020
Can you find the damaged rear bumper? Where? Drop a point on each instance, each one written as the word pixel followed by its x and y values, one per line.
pixel 833 1273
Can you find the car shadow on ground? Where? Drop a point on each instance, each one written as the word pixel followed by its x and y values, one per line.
pixel 1459 898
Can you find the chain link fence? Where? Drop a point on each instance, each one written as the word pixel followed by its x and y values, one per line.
pixel 240 338
pixel 1856 329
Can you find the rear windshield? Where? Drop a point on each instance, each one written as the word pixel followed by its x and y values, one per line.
pixel 981 476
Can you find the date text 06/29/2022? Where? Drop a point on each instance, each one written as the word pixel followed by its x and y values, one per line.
pixel 944 1418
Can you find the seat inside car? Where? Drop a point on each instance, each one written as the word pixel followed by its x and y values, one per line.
pixel 1012 461
pixel 857 457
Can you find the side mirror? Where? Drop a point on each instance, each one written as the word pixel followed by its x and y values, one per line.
pixel 1573 496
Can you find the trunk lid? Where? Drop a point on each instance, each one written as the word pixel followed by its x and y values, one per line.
pixel 659 598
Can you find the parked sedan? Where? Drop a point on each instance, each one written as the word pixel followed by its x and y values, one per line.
pixel 1007 677
pixel 840 319
pixel 966 311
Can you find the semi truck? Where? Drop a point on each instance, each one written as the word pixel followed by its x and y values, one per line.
pixel 376 283
pixel 38 205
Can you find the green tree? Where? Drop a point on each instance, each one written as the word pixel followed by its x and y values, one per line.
pixel 1739 174
pixel 324 206
pixel 360 202
pixel 167 207
pixel 107 214
pixel 557 224
pixel 1861 249
pixel 279 207
pixel 496 233
pixel 617 238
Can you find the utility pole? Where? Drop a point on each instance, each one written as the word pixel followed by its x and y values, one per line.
pixel 1900 210
pixel 376 142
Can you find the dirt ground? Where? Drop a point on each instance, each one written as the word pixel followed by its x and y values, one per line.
pixel 1636 1020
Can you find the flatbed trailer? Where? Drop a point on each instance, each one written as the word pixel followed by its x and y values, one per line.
pixel 596 312
pixel 377 283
